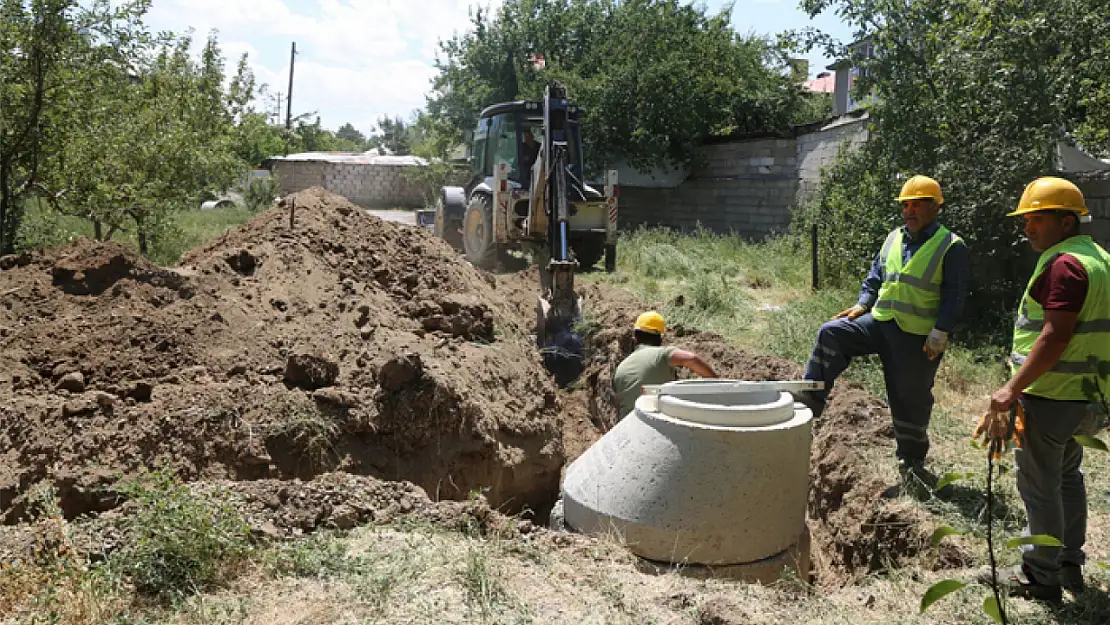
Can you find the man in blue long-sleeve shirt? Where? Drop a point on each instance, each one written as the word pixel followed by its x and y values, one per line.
pixel 908 304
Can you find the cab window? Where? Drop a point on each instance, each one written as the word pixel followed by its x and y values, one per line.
pixel 481 141
pixel 505 141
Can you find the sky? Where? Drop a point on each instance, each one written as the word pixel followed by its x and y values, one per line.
pixel 360 59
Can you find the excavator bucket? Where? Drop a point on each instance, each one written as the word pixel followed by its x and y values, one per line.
pixel 558 311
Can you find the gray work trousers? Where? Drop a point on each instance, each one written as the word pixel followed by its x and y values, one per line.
pixel 1051 483
pixel 907 371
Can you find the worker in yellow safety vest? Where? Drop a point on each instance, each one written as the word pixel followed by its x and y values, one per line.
pixel 1060 364
pixel 908 305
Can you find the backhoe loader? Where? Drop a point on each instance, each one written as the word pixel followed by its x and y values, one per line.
pixel 528 192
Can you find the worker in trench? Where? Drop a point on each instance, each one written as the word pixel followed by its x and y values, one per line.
pixel 651 362
pixel 908 305
pixel 1060 361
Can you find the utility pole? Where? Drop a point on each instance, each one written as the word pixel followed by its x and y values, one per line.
pixel 277 103
pixel 289 96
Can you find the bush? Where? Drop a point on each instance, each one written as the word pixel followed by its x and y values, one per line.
pixel 178 541
pixel 260 192
pixel 43 226
pixel 431 177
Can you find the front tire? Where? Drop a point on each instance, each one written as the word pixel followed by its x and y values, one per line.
pixel 478 241
pixel 445 228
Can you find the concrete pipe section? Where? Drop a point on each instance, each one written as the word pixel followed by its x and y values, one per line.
pixel 708 477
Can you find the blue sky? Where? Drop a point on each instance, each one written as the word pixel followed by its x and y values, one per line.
pixel 360 59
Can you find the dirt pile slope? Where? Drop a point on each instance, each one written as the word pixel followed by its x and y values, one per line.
pixel 855 529
pixel 338 343
pixel 280 509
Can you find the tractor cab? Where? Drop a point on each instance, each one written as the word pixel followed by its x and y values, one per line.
pixel 507 202
pixel 512 132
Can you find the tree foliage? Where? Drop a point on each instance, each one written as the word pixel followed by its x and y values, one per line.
pixel 393 134
pixel 105 120
pixel 975 95
pixel 348 132
pixel 34 67
pixel 656 77
pixel 148 137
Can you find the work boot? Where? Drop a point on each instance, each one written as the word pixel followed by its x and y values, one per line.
pixel 810 400
pixel 1018 581
pixel 917 481
pixel 1071 577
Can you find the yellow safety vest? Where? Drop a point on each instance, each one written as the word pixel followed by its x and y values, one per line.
pixel 910 294
pixel 1075 376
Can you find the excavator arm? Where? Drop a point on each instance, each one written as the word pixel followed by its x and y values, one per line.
pixel 559 308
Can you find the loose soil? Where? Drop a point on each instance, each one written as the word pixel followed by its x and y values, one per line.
pixel 336 369
pixel 340 343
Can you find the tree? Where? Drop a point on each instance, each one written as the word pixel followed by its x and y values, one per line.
pixel 393 136
pixel 256 139
pixel 656 77
pixel 976 95
pixel 431 136
pixel 110 122
pixel 146 139
pixel 36 39
pixel 347 132
pixel 314 137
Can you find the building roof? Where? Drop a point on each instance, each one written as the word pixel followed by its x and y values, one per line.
pixel 357 158
pixel 1071 158
pixel 824 83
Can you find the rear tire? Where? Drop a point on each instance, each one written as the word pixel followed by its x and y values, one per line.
pixel 478 242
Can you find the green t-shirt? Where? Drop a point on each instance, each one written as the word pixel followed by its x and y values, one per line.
pixel 645 365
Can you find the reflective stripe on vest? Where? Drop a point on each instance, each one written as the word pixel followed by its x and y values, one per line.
pixel 1076 367
pixel 1078 374
pixel 910 293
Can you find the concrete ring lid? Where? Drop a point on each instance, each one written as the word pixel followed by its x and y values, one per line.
pixel 736 408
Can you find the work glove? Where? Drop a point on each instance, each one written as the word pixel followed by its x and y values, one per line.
pixel 935 344
pixel 852 313
pixel 997 430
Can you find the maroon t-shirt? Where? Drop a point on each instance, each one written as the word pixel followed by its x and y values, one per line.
pixel 1062 285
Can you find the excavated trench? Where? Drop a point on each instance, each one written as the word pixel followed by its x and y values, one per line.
pixel 855 530
pixel 287 356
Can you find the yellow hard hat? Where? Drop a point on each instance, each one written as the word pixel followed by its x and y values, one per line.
pixel 650 321
pixel 1051 193
pixel 919 188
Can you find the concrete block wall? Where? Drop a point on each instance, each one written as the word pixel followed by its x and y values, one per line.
pixel 748 187
pixel 752 208
pixel 371 186
pixel 374 186
pixel 818 150
pixel 299 175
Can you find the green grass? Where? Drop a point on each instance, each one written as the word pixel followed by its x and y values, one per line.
pixel 194 228
pixel 187 229
pixel 759 296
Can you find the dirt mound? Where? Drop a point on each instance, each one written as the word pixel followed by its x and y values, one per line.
pixel 337 342
pixel 855 529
